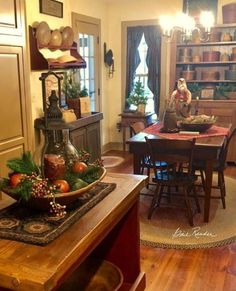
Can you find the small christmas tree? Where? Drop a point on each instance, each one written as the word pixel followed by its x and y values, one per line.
pixel 137 96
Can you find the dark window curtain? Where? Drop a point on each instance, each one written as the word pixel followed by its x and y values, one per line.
pixel 134 35
pixel 152 36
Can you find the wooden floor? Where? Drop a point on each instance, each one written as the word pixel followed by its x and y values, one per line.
pixel 187 270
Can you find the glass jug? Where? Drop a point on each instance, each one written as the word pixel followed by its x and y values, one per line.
pixel 58 155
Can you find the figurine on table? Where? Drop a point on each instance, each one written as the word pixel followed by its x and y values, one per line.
pixel 180 100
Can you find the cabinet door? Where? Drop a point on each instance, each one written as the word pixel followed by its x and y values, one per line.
pixel 79 139
pixel 10 17
pixel 13 133
pixel 93 141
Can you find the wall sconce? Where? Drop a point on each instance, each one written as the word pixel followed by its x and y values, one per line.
pixel 109 61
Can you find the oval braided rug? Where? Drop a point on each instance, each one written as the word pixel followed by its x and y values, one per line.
pixel 169 228
pixel 111 161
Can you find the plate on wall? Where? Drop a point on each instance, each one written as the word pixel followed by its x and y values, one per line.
pixel 43 34
pixel 67 36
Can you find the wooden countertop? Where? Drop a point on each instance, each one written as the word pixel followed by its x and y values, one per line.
pixel 30 267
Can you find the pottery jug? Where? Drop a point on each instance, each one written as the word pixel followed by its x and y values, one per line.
pixel 169 120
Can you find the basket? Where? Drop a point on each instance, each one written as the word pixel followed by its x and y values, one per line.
pixel 229 13
pixel 94 274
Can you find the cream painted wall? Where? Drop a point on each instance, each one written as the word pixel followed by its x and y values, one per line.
pixel 129 11
pixel 111 13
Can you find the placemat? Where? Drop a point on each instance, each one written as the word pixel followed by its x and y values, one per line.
pixel 213 131
pixel 20 223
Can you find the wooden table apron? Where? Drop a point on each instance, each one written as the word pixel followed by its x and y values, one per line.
pixel 205 149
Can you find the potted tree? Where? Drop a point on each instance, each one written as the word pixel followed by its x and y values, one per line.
pixel 73 93
pixel 137 97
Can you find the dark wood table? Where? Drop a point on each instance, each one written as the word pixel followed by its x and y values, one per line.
pixel 206 149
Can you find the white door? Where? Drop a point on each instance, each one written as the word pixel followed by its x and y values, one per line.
pixel 87 34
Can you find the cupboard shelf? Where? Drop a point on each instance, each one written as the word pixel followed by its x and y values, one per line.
pixel 218 43
pixel 39 62
pixel 225 110
pixel 206 63
pixel 183 53
pixel 210 81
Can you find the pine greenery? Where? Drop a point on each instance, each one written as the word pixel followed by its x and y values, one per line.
pixel 24 165
pixel 137 96
pixel 90 175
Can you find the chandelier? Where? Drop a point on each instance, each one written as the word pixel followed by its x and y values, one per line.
pixel 186 25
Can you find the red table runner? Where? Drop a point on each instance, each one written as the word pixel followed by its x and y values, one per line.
pixel 213 131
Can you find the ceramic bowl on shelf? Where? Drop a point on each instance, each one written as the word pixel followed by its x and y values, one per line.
pixel 43 203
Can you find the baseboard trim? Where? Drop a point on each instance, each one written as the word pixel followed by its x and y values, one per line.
pixel 112 146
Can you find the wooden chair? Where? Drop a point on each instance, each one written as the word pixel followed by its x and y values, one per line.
pixel 172 152
pixel 218 167
pixel 137 127
pixel 145 162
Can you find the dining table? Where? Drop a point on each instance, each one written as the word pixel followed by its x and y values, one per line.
pixel 207 148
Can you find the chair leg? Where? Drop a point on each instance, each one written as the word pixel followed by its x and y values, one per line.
pixel 203 179
pixel 148 174
pixel 155 201
pixel 193 189
pixel 189 210
pixel 222 187
pixel 169 194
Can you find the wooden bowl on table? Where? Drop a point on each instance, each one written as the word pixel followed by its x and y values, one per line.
pixel 43 203
pixel 199 123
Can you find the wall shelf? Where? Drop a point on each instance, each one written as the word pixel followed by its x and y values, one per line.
pixel 39 62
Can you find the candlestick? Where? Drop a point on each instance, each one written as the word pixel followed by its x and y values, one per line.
pixel 197 104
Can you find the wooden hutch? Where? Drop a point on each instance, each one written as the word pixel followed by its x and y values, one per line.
pixel 211 100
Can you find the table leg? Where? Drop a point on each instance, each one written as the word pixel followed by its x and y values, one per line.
pixel 209 174
pixel 124 136
pixel 137 164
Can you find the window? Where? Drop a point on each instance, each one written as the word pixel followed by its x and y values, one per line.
pixel 87 34
pixel 87 75
pixel 141 74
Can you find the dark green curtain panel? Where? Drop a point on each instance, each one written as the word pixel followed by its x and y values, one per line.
pixel 134 35
pixel 152 36
pixel 153 39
